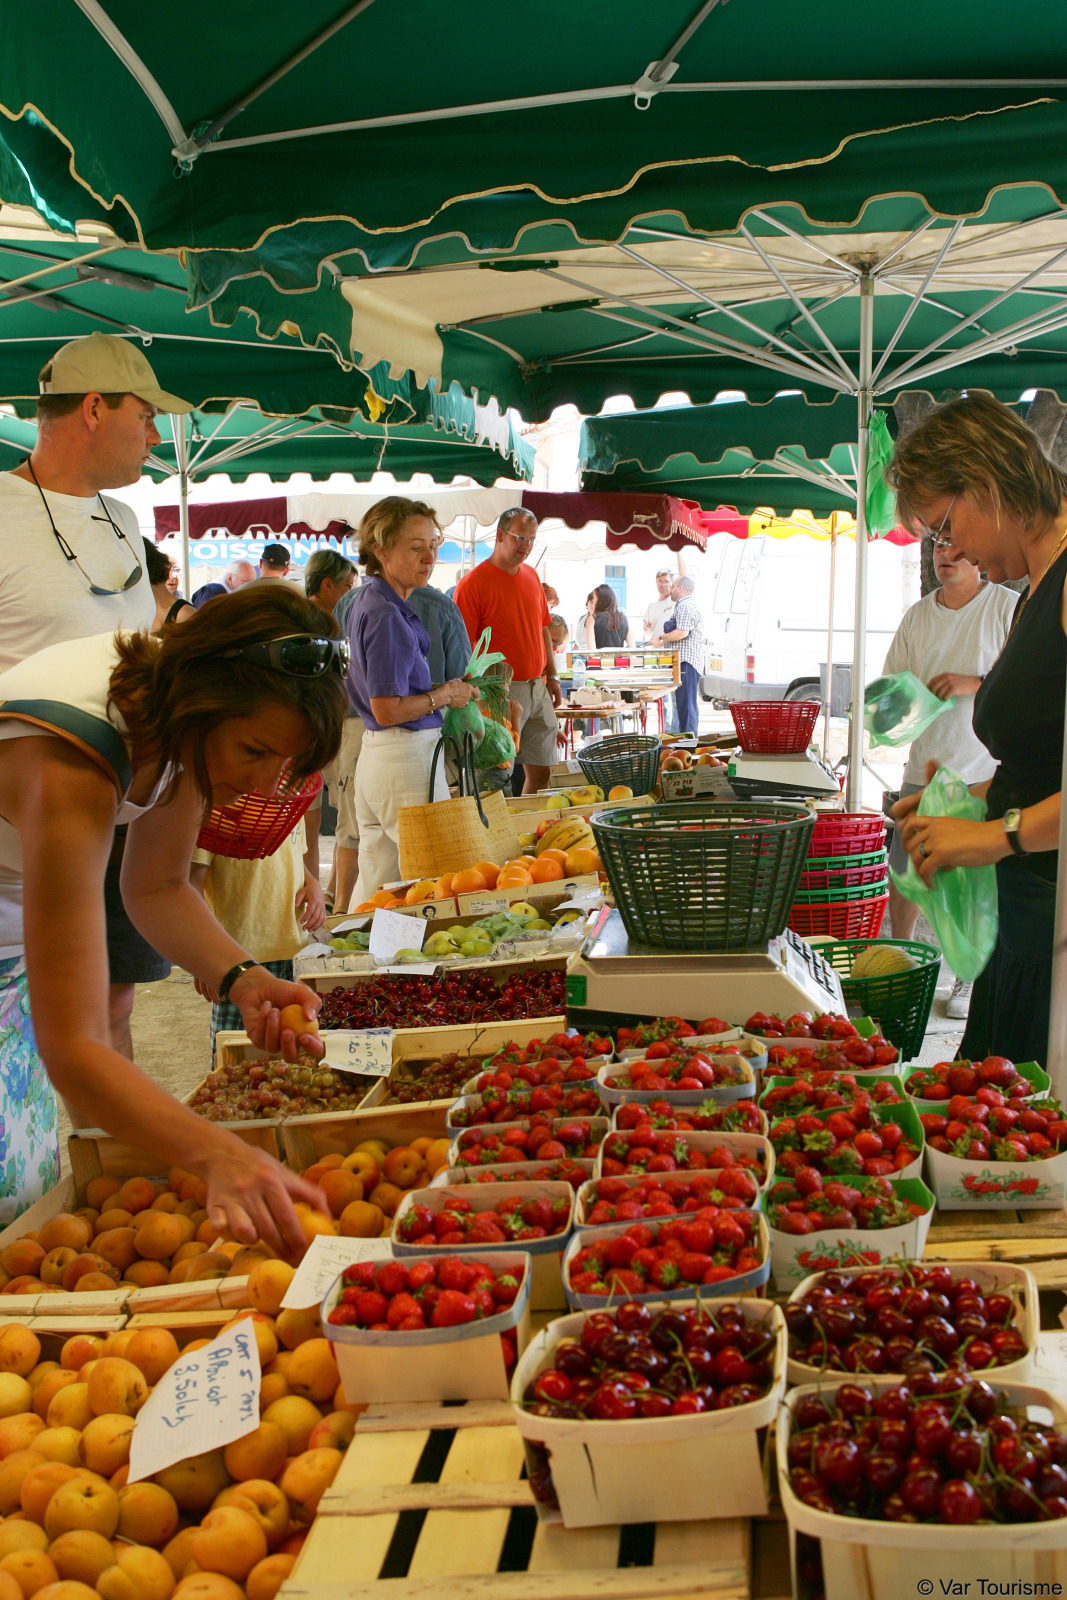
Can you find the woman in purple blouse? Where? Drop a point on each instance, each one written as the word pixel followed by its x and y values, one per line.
pixel 389 684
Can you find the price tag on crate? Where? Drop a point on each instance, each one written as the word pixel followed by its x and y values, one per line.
pixel 326 1257
pixel 207 1400
pixel 368 1051
pixel 486 905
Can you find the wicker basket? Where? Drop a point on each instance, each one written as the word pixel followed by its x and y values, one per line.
pixel 775 727
pixel 257 825
pixel 699 875
pixel 900 1002
pixel 629 758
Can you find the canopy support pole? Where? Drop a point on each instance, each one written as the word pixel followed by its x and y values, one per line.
pixel 828 690
pixel 1056 1061
pixel 181 456
pixel 863 407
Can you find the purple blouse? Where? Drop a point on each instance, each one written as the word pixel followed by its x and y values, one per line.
pixel 389 648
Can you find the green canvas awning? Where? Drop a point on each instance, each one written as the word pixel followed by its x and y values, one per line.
pixel 211 126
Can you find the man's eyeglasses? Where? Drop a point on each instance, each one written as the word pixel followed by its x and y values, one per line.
pixel 299 655
pixel 940 539
pixel 523 539
pixel 94 588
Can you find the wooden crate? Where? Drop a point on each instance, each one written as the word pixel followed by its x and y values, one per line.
pixel 322 982
pixel 93 1153
pixel 1033 1239
pixel 430 1500
pixel 306 1140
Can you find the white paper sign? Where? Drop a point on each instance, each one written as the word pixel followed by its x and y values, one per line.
pixel 413 969
pixel 316 949
pixel 368 1051
pixel 353 922
pixel 392 931
pixel 487 905
pixel 326 1257
pixel 207 1400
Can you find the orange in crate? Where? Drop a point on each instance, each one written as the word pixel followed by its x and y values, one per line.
pixel 469 881
pixel 580 861
pixel 489 871
pixel 543 871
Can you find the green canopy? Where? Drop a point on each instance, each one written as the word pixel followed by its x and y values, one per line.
pixel 54 289
pixel 210 127
pixel 784 455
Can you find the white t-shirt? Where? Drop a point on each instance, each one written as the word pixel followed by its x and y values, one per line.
pixel 932 639
pixel 655 614
pixel 44 599
pixel 76 674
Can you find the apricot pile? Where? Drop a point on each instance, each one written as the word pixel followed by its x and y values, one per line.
pixel 364 1188
pixel 225 1525
pixel 139 1232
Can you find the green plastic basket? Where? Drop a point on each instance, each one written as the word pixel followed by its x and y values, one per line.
pixel 899 1002
pixel 629 758
pixel 701 875
pixel 832 896
pixel 870 858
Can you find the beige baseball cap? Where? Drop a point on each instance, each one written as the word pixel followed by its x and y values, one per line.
pixel 102 363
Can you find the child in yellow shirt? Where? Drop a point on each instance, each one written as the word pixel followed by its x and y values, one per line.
pixel 271 906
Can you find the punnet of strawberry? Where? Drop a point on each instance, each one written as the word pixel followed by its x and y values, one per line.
pixel 809 1203
pixel 672 1254
pixel 905 1319
pixel 691 1072
pixel 674 1360
pixel 949 1078
pixel 644 1149
pixel 1014 1130
pixel 405 1296
pixel 457 1224
pixel 935 1449
pixel 533 1139
pixel 560 1046
pixel 647 1033
pixel 827 1091
pixel 851 1054
pixel 729 1188
pixel 862 1141
pixel 532 1074
pixel 741 1117
pixel 562 1171
pixel 800 1025
pixel 506 1105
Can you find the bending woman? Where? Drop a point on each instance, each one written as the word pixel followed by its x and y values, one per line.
pixel 126 728
pixel 974 477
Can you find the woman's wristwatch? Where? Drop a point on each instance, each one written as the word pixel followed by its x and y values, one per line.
pixel 1012 821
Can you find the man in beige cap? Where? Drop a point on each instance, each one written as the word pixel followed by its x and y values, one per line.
pixel 70 561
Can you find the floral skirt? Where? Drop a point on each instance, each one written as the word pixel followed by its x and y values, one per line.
pixel 29 1116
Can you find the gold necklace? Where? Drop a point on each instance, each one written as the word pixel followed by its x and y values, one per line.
pixel 1019 608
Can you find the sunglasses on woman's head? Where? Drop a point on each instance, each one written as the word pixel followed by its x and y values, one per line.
pixel 299 655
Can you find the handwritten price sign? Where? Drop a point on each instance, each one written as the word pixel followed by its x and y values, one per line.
pixel 207 1400
pixel 365 1050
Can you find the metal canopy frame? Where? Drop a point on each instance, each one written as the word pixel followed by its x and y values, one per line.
pixel 659 77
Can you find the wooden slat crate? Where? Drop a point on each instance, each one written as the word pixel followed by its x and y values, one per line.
pixel 93 1152
pixel 431 1500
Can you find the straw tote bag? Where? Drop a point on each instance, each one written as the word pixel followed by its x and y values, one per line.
pixel 446 835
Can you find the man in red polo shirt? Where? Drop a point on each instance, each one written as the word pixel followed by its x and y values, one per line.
pixel 506 596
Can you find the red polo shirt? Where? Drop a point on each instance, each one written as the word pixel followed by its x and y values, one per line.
pixel 513 605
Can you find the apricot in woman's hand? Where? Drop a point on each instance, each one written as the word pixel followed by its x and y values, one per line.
pixel 293 1017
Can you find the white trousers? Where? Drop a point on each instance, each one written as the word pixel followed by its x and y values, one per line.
pixel 393 771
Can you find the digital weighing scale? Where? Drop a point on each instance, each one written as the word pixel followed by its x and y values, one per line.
pixel 760 777
pixel 613 973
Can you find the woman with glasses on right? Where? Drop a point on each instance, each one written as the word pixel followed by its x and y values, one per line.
pixel 972 473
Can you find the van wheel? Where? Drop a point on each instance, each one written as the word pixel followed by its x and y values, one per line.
pixel 804 689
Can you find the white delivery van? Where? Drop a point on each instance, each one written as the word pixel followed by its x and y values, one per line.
pixel 765 603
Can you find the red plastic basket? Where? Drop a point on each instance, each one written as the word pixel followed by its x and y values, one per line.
pixel 848 833
pixel 850 919
pixel 257 825
pixel 775 727
pixel 847 878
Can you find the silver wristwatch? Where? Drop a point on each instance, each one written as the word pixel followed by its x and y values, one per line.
pixel 1012 820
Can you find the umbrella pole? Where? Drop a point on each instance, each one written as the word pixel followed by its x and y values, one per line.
pixel 181 454
pixel 828 690
pixel 863 407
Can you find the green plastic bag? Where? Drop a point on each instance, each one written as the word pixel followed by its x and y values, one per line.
pixel 898 708
pixel 493 692
pixel 881 499
pixel 961 903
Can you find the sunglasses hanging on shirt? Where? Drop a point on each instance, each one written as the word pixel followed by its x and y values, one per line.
pixel 94 588
pixel 299 655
